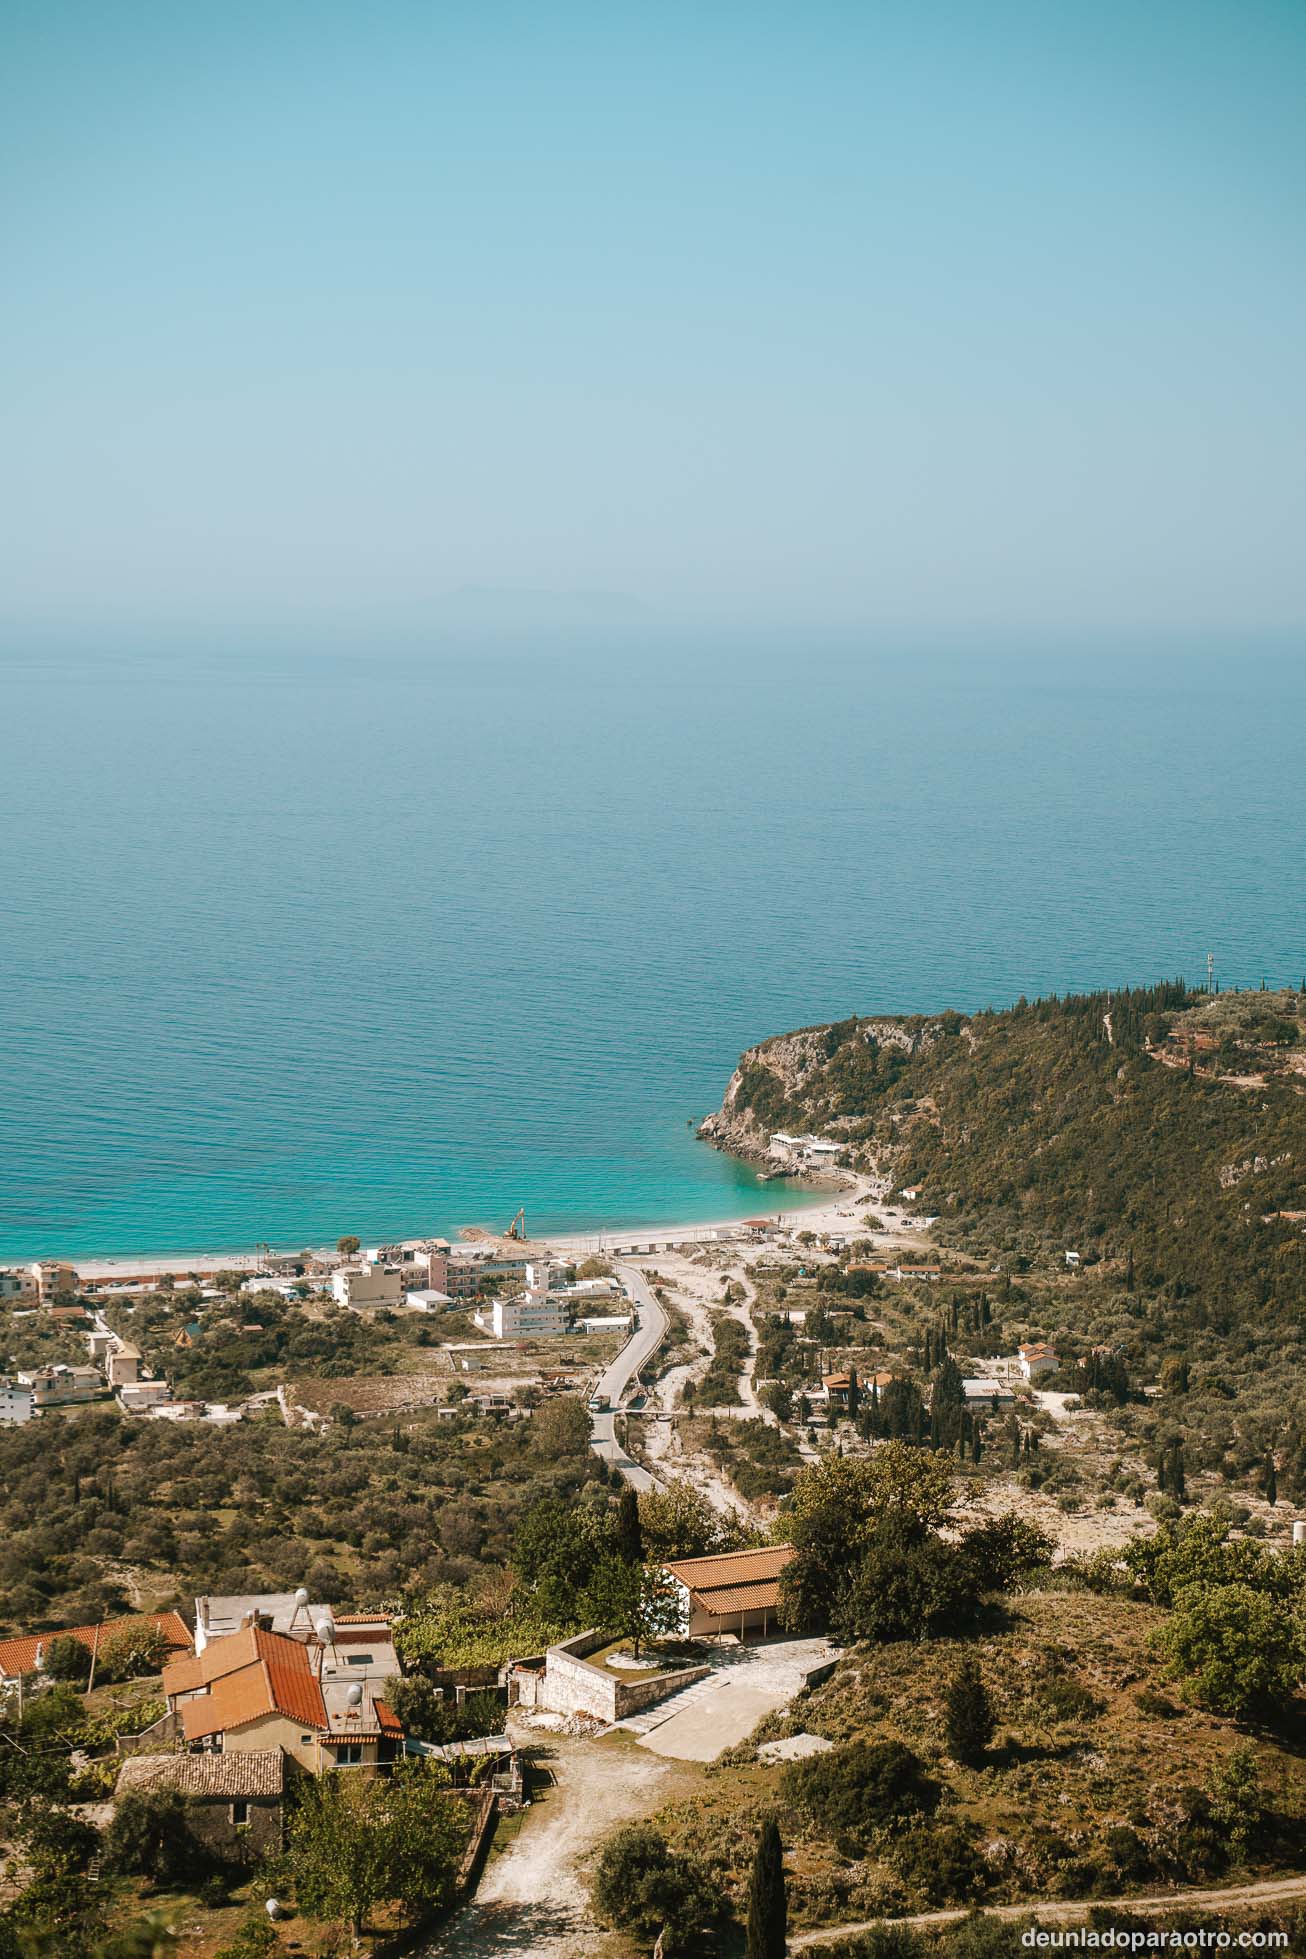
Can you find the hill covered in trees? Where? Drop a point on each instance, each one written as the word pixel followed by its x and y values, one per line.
pixel 1156 1122
pixel 1158 1133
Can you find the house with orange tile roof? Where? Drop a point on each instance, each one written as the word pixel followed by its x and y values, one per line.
pixel 733 1592
pixel 256 1689
pixel 1038 1359
pixel 27 1653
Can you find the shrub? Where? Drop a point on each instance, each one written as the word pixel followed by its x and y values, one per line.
pixel 1239 1805
pixel 860 1790
pixel 941 1863
pixel 1236 1650
pixel 641 1886
pixel 1070 1700
pixel 67 1659
pixel 255 1940
pixel 150 1837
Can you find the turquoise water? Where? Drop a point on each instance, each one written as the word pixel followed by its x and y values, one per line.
pixel 299 945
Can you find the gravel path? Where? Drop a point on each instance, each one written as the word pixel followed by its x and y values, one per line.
pixel 532 1901
pixel 1269 1891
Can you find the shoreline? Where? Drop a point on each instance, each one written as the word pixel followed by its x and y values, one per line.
pixel 827 1193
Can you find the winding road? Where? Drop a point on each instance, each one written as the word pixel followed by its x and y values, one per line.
pixel 650 1332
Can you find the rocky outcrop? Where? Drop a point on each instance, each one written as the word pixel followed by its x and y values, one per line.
pixel 800 1083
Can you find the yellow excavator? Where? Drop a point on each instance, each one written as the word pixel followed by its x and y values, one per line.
pixel 517 1229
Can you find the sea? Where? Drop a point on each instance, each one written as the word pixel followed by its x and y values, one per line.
pixel 299 940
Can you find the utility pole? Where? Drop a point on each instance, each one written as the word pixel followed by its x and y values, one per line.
pixel 1210 972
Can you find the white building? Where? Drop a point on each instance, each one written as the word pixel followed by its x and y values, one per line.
pixel 287 1289
pixel 122 1364
pixel 527 1314
pixel 17 1285
pixel 367 1285
pixel 1039 1359
pixel 140 1397
pixel 61 1383
pixel 17 1405
pixel 425 1300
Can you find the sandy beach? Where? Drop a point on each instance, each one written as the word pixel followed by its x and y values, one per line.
pixel 833 1206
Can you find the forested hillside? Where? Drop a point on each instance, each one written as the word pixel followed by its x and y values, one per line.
pixel 1153 1121
pixel 1158 1133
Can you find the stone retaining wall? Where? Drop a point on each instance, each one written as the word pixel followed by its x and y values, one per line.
pixel 570 1685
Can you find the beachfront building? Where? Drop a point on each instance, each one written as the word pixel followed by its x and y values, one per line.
pixel 53 1275
pixel 462 1270
pixel 809 1152
pixel 17 1405
pixel 359 1286
pixel 526 1314
pixel 735 1592
pixel 287 1289
pixel 15 1284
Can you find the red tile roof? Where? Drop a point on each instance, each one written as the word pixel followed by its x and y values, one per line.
pixel 732 1567
pixel 249 1674
pixel 735 1581
pixel 725 1599
pixel 19 1655
pixel 387 1719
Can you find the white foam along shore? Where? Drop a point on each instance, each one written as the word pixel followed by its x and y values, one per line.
pixel 835 1205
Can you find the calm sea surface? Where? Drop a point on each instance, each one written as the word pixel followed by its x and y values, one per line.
pixel 294 946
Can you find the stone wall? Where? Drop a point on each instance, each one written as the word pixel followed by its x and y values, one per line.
pixel 570 1685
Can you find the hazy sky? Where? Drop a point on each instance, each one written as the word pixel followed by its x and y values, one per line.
pixel 931 312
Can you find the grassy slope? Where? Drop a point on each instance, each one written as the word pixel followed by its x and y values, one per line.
pixel 1059 1780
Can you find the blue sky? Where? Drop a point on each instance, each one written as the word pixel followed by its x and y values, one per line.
pixel 892 316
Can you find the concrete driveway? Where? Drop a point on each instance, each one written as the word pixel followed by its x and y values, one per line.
pixel 745 1684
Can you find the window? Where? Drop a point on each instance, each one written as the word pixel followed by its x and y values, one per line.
pixel 306 1741
pixel 240 1815
pixel 348 1754
pixel 360 1659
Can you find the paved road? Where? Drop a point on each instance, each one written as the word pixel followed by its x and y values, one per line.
pixel 650 1331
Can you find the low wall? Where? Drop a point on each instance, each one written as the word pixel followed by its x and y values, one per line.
pixel 570 1685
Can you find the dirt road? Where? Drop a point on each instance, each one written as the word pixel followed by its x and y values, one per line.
pixel 531 1902
pixel 1269 1891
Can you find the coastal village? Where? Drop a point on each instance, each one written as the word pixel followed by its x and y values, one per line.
pixel 654 1641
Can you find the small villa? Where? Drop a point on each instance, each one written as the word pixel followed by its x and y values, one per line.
pixel 734 1592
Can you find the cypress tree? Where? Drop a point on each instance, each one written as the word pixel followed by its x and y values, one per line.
pixel 630 1541
pixel 768 1908
pixel 967 1714
pixel 1271 1481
